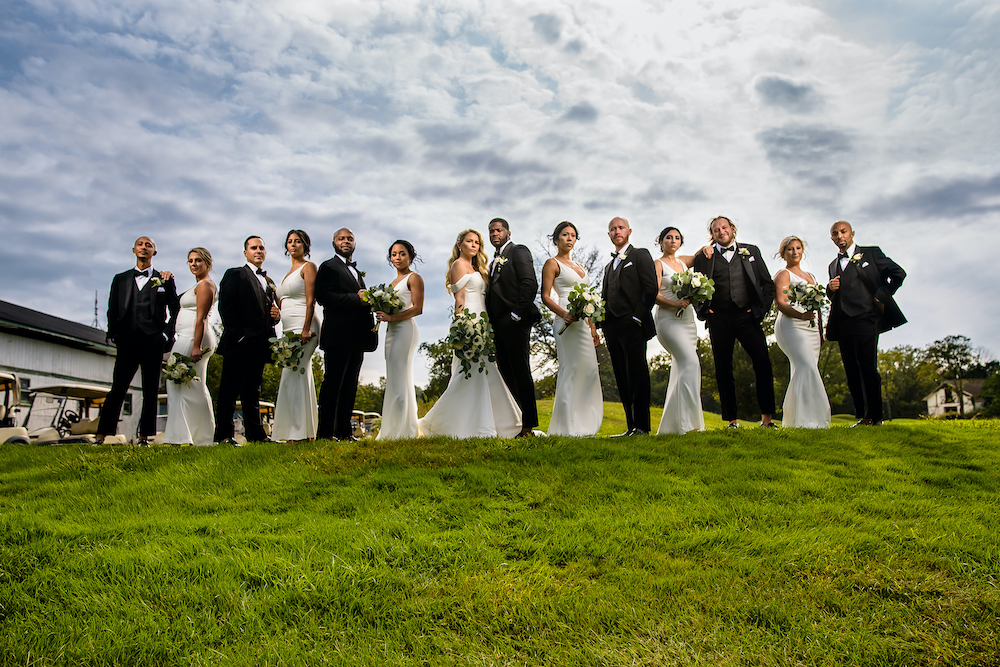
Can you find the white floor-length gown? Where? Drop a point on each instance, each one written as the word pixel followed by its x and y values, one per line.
pixel 296 412
pixel 679 336
pixel 578 408
pixel 806 403
pixel 481 406
pixel 190 419
pixel 399 406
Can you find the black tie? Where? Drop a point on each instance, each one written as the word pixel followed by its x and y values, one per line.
pixel 729 249
pixel 262 272
pixel 353 265
pixel 842 255
pixel 137 273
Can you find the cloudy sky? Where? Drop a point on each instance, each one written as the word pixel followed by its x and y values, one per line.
pixel 202 122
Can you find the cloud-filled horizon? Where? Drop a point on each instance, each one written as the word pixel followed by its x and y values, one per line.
pixel 202 123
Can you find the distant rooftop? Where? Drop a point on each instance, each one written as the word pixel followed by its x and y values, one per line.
pixel 21 321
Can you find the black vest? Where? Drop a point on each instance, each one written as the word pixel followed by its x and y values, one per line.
pixel 142 313
pixel 730 284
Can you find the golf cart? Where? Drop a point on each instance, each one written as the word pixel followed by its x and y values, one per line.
pixel 75 410
pixel 266 420
pixel 10 387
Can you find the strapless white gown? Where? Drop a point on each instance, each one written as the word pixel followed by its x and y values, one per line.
pixel 679 337
pixel 295 410
pixel 480 406
pixel 190 419
pixel 578 408
pixel 399 406
pixel 806 403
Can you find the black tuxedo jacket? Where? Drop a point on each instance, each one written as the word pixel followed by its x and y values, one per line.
pixel 513 287
pixel 348 322
pixel 630 290
pixel 245 308
pixel 761 285
pixel 123 318
pixel 873 276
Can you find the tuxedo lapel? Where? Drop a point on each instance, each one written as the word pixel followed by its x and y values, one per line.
pixel 258 291
pixel 747 265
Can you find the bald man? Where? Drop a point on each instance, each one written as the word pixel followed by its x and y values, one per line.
pixel 862 282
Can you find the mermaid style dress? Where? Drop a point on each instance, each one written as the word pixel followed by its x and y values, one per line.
pixel 399 406
pixel 296 412
pixel 806 403
pixel 679 336
pixel 190 419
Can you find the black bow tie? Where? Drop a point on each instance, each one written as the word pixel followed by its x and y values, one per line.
pixel 353 265
pixel 842 255
pixel 731 248
pixel 137 273
pixel 262 272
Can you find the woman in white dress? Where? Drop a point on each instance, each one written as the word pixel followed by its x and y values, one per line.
pixel 190 420
pixel 295 410
pixel 806 403
pixel 679 337
pixel 480 406
pixel 399 406
pixel 578 408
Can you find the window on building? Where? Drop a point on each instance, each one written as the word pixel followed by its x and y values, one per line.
pixel 25 392
pixel 127 405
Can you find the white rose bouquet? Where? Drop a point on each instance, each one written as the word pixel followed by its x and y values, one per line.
pixel 584 302
pixel 691 285
pixel 383 298
pixel 807 296
pixel 471 338
pixel 180 369
pixel 287 352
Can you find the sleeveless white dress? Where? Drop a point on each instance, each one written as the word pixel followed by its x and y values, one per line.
pixel 478 407
pixel 578 408
pixel 679 337
pixel 190 419
pixel 295 410
pixel 399 406
pixel 806 403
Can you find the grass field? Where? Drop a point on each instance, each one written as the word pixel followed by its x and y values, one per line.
pixel 837 547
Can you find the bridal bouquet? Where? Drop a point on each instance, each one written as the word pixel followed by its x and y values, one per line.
pixel 691 285
pixel 808 297
pixel 287 352
pixel 180 369
pixel 471 337
pixel 584 301
pixel 383 298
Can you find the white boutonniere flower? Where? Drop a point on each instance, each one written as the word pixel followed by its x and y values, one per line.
pixel 501 261
pixel 156 281
pixel 622 256
pixel 857 258
pixel 361 274
pixel 744 252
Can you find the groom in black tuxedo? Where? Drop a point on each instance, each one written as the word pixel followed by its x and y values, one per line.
pixel 510 303
pixel 744 293
pixel 862 282
pixel 348 332
pixel 248 312
pixel 137 324
pixel 629 292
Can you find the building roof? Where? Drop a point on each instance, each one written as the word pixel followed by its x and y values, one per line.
pixel 969 387
pixel 21 321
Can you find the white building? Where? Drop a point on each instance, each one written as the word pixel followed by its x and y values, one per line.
pixel 944 399
pixel 44 350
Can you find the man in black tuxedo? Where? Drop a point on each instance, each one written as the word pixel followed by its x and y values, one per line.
pixel 137 324
pixel 510 303
pixel 629 292
pixel 862 282
pixel 348 332
pixel 744 293
pixel 248 312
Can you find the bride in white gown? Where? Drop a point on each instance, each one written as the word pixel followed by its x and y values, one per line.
pixel 480 406
pixel 295 410
pixel 679 337
pixel 190 420
pixel 399 406
pixel 806 403
pixel 578 407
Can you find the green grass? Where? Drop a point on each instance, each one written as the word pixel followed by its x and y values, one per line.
pixel 836 547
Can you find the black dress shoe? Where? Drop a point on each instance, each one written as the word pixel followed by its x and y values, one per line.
pixel 637 431
pixel 862 422
pixel 733 426
pixel 231 442
pixel 769 425
pixel 142 442
pixel 623 435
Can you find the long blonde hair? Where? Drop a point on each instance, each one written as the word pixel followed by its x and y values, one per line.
pixel 480 262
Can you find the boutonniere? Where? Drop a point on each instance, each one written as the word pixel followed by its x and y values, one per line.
pixel 744 252
pixel 623 256
pixel 156 281
pixel 361 274
pixel 857 258
pixel 501 260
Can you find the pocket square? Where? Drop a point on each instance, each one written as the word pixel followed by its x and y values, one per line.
pixel 864 265
pixel 160 289
pixel 751 257
pixel 627 265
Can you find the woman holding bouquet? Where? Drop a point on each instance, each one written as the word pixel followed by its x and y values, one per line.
pixel 480 405
pixel 399 406
pixel 295 410
pixel 190 420
pixel 798 333
pixel 578 408
pixel 677 333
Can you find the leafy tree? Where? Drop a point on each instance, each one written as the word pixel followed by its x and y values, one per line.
pixel 439 362
pixel 370 397
pixel 954 358
pixel 907 377
pixel 990 393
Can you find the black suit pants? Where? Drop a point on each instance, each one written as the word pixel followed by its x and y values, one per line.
pixel 724 329
pixel 514 361
pixel 242 371
pixel 137 351
pixel 859 352
pixel 336 396
pixel 627 348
